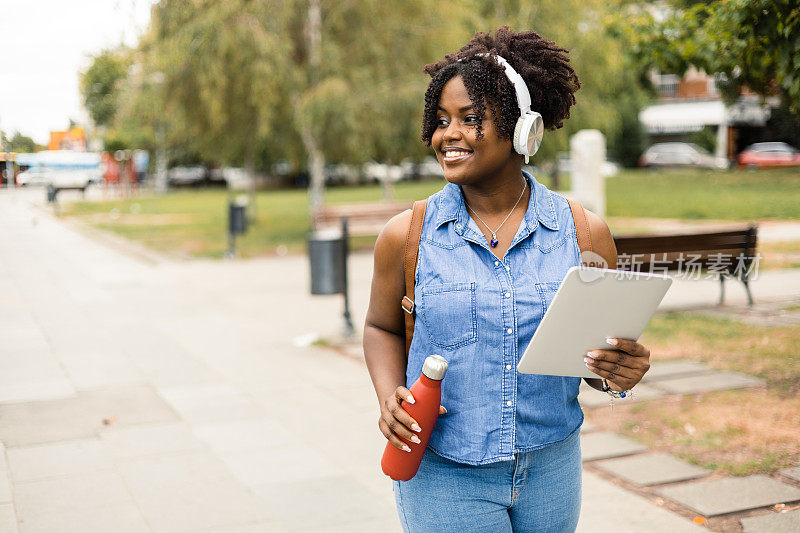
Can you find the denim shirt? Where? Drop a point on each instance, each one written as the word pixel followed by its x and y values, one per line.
pixel 480 313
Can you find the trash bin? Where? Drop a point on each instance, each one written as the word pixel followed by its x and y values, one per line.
pixel 237 221
pixel 327 254
pixel 51 193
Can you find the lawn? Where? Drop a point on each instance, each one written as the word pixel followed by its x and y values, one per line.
pixel 193 222
pixel 740 432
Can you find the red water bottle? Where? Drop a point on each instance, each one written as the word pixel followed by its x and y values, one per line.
pixel 427 393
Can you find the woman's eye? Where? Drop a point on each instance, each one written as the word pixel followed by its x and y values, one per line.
pixel 441 121
pixel 470 119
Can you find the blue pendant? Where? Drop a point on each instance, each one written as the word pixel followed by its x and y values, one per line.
pixel 493 242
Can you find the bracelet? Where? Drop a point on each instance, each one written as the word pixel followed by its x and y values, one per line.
pixel 614 394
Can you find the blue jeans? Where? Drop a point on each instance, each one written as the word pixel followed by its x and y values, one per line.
pixel 539 491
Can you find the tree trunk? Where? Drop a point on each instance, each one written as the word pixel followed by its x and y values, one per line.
pixel 316 159
pixel 161 161
pixel 250 170
pixel 316 169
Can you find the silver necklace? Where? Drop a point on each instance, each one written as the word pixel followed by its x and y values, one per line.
pixel 493 242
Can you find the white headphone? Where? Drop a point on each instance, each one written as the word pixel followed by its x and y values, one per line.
pixel 529 129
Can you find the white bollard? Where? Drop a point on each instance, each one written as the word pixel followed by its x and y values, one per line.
pixel 587 155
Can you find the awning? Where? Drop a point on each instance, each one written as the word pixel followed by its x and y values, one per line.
pixel 682 117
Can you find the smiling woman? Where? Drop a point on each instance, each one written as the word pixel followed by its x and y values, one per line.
pixel 505 454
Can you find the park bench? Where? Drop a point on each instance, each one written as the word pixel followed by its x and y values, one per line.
pixel 728 253
pixel 53 190
pixel 362 219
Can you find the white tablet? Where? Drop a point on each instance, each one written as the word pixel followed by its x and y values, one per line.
pixel 590 305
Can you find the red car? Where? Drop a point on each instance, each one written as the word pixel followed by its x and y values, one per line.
pixel 769 155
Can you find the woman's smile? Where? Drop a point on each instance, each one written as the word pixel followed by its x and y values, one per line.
pixel 455 155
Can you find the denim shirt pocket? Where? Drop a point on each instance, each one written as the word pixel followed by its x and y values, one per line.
pixel 449 312
pixel 547 291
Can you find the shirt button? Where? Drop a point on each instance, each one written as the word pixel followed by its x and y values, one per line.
pixel 496 263
pixel 508 403
pixel 508 367
pixel 508 295
pixel 458 226
pixel 509 331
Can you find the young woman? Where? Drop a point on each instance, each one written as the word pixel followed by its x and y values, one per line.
pixel 495 245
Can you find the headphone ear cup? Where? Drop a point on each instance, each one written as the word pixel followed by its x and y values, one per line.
pixel 521 131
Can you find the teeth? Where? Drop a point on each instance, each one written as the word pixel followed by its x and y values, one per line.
pixel 453 153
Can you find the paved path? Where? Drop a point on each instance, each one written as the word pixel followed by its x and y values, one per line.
pixel 138 394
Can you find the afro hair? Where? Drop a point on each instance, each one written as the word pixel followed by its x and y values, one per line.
pixel 542 64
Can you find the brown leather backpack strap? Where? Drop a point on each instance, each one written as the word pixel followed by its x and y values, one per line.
pixel 410 254
pixel 581 225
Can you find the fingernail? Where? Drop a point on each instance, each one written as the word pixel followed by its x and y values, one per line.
pixel 612 342
pixel 416 428
pixel 588 366
pixel 444 409
pixel 588 360
pixel 410 399
pixel 592 355
pixel 406 448
pixel 415 439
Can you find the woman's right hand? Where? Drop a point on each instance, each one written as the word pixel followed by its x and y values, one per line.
pixel 395 422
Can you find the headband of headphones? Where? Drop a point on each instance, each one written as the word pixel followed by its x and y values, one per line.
pixel 523 95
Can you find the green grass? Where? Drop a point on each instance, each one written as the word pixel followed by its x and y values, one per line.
pixel 770 353
pixel 194 222
pixel 700 194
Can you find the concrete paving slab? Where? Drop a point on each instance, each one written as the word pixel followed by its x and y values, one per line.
pixel 6 496
pixel 133 442
pixel 651 469
pixel 608 508
pixel 42 461
pixel 243 435
pixel 591 398
pixel 260 527
pixel 669 369
pixel 8 518
pixel 722 496
pixel 216 502
pixel 82 416
pixel 289 502
pixel 36 389
pixel 793 473
pixel 116 517
pixel 289 462
pixel 172 470
pixel 604 444
pixel 217 402
pixel 63 495
pixel 772 523
pixel 707 383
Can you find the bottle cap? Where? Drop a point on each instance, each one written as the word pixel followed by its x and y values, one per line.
pixel 434 367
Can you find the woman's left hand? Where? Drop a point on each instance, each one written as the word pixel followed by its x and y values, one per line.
pixel 623 367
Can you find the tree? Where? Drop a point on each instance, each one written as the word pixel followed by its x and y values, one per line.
pixel 19 143
pixel 752 43
pixel 100 84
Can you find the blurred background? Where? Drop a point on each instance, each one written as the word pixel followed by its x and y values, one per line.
pixel 143 142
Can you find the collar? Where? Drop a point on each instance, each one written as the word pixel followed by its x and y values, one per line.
pixel 541 208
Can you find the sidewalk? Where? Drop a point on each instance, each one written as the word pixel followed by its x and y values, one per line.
pixel 140 394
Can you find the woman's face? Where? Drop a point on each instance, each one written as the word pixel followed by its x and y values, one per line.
pixel 464 158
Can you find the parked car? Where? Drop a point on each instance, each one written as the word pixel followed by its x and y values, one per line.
pixel 33 176
pixel 680 155
pixel 427 168
pixel 377 172
pixel 769 155
pixel 194 175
